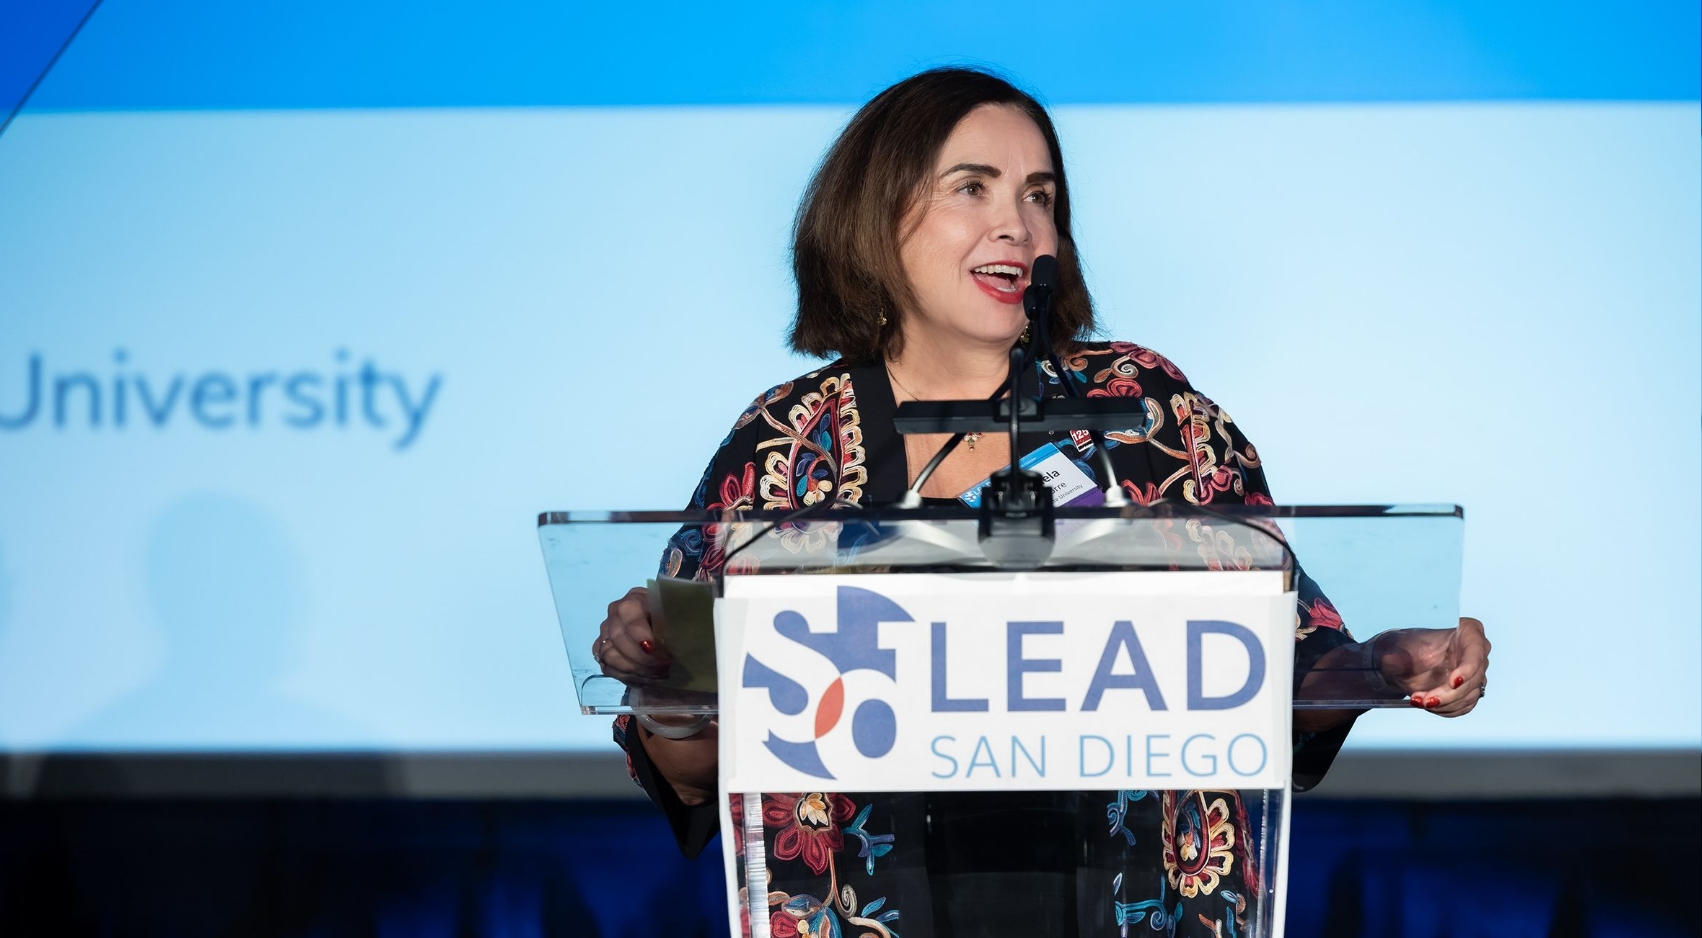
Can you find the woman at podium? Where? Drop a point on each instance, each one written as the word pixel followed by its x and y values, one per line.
pixel 913 246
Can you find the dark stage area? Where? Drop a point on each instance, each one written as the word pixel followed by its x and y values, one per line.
pixel 601 869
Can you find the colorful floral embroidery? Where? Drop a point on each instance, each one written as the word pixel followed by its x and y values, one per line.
pixel 808 825
pixel 1141 494
pixel 1117 812
pixel 810 828
pixel 819 454
pixel 736 811
pixel 1217 546
pixel 1198 840
pixel 1151 911
pixel 1323 614
pixel 1148 359
pixel 1197 417
pixel 871 846
pixel 807 442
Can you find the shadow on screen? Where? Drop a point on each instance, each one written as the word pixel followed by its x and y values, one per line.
pixel 5 596
pixel 9 766
pixel 229 594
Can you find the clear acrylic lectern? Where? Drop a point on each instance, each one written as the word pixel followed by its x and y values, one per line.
pixel 1021 706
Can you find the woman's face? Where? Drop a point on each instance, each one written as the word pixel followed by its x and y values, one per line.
pixel 984 216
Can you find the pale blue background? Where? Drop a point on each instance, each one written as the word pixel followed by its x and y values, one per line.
pixel 1486 295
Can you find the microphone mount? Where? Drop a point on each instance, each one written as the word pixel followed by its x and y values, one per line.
pixel 1017 525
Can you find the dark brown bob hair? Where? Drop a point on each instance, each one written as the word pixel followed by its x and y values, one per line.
pixel 846 237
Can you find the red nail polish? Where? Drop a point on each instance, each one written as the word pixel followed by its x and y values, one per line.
pixel 648 646
pixel 1432 702
pixel 1458 681
pixel 1417 701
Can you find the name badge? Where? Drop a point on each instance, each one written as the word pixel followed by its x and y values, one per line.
pixel 1071 482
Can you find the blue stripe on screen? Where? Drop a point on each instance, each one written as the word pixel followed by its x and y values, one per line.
pixel 31 34
pixel 212 54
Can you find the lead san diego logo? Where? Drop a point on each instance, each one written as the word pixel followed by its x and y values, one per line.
pixel 1126 681
pixel 848 649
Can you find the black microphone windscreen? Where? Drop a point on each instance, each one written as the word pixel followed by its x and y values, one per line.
pixel 1045 271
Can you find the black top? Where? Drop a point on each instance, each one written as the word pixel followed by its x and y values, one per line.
pixel 979 862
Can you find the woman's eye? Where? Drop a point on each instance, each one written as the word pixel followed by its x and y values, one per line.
pixel 1040 197
pixel 972 188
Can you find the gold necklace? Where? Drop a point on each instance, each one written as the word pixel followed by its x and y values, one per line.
pixel 969 438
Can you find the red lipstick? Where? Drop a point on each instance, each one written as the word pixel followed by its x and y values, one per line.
pixel 1002 285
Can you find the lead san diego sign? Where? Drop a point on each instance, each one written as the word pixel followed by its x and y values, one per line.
pixel 1015 681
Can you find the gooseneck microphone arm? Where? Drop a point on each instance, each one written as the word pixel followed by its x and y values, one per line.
pixel 1037 304
pixel 912 497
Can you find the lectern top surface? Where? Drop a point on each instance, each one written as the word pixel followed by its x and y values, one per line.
pixel 1381 566
pixel 959 513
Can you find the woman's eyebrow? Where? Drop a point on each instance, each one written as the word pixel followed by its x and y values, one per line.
pixel 993 172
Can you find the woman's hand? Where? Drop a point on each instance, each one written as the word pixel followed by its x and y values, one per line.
pixel 1443 670
pixel 626 650
pixel 626 646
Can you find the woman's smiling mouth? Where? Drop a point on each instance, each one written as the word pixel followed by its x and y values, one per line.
pixel 1002 280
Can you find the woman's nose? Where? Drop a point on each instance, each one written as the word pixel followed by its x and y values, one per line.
pixel 1009 225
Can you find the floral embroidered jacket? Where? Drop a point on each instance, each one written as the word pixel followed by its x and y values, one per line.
pixel 971 863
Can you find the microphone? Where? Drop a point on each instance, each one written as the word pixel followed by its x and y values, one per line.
pixel 1045 271
pixel 1037 303
pixel 1037 299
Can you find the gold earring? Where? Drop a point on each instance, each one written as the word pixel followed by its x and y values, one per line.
pixel 883 317
pixel 1024 338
